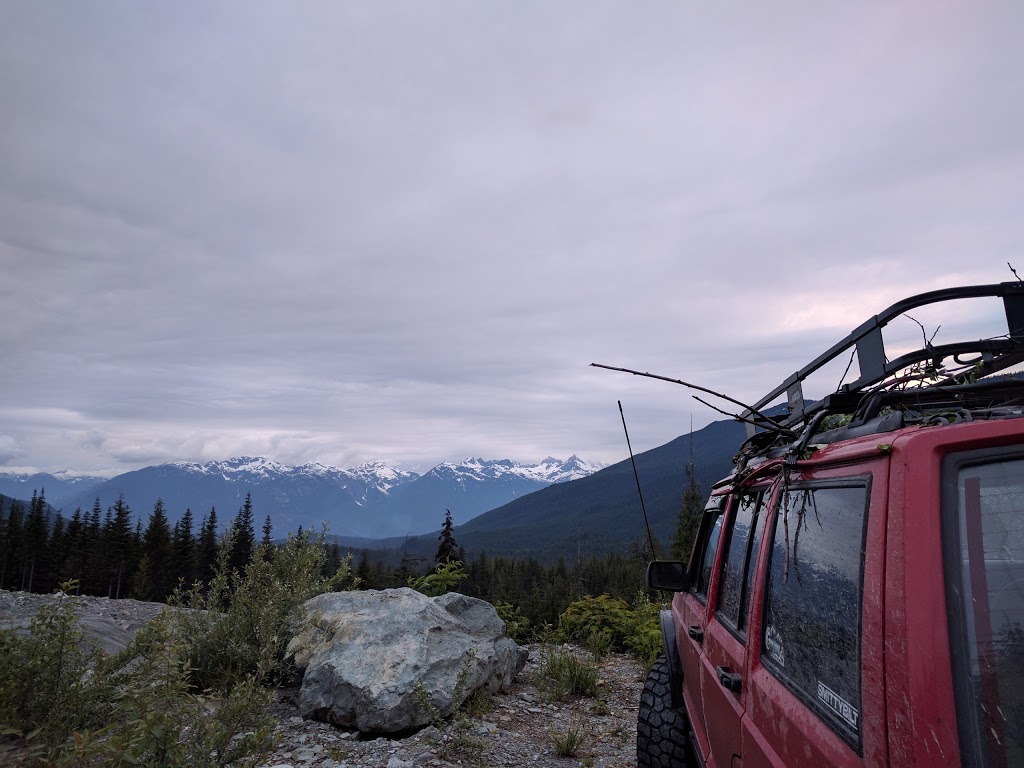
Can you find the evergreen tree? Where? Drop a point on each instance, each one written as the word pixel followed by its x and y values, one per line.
pixel 74 563
pixel 690 512
pixel 10 567
pixel 447 549
pixel 153 577
pixel 37 533
pixel 183 550
pixel 120 540
pixel 206 550
pixel 268 529
pixel 94 580
pixel 243 537
pixel 59 551
pixel 363 570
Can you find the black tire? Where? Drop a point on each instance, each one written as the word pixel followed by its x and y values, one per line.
pixel 662 733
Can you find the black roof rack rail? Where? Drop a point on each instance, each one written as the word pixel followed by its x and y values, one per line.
pixel 996 354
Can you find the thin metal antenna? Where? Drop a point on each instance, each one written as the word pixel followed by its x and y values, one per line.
pixel 647 525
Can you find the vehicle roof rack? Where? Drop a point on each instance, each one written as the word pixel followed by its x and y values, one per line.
pixel 990 356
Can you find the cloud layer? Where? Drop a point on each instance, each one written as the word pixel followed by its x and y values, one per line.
pixel 344 232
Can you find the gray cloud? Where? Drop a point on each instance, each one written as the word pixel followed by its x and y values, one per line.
pixel 342 232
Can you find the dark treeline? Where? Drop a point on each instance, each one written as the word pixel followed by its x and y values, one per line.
pixel 540 592
pixel 111 554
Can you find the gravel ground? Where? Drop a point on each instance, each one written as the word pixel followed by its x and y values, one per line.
pixel 516 728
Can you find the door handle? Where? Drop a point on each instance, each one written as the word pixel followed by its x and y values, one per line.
pixel 695 633
pixel 728 679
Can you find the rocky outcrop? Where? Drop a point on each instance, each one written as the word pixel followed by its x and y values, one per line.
pixel 394 660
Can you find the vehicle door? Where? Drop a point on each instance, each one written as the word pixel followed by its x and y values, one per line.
pixel 815 636
pixel 723 660
pixel 693 611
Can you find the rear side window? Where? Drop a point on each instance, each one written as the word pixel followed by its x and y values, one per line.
pixel 811 639
pixel 986 599
pixel 734 584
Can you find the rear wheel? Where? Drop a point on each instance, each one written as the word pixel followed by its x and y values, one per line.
pixel 662 733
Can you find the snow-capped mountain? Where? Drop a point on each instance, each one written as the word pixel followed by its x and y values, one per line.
pixel 372 500
pixel 19 483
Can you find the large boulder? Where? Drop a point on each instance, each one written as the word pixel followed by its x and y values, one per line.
pixel 393 660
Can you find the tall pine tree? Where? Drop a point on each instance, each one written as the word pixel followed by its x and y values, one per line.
pixel 206 549
pixel 243 537
pixel 35 567
pixel 10 567
pixel 688 518
pixel 153 577
pixel 183 550
pixel 447 549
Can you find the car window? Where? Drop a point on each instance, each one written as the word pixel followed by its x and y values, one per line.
pixel 734 582
pixel 710 533
pixel 989 566
pixel 811 637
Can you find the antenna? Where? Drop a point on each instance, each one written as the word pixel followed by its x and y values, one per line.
pixel 768 424
pixel 647 525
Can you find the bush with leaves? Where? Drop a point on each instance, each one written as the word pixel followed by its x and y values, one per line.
pixel 158 718
pixel 602 624
pixel 241 622
pixel 567 675
pixel 645 642
pixel 443 579
pixel 607 624
pixel 517 626
pixel 45 680
pixel 61 705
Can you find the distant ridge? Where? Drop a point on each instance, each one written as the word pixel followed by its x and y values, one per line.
pixel 371 500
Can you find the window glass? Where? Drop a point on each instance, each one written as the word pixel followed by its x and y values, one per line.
pixel 734 567
pixel 755 546
pixel 811 630
pixel 709 549
pixel 991 523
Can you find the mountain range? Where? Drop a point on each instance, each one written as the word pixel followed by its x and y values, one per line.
pixel 595 515
pixel 371 500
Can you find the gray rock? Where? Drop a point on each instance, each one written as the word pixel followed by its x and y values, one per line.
pixel 394 660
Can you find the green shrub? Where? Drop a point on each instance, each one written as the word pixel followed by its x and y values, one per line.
pixel 45 683
pixel 517 626
pixel 610 625
pixel 602 624
pixel 443 579
pixel 645 642
pixel 241 622
pixel 158 719
pixel 63 706
pixel 565 675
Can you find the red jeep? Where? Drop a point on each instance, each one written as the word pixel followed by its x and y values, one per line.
pixel 855 595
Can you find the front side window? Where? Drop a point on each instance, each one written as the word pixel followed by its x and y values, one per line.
pixel 710 533
pixel 986 594
pixel 811 639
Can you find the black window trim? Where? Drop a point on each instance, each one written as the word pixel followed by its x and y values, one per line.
pixel 822 713
pixel 969 729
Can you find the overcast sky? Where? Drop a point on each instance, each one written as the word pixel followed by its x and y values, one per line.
pixel 400 231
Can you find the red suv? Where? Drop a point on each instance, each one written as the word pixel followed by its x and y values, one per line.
pixel 855 595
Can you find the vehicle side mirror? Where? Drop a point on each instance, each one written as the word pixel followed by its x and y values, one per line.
pixel 668 575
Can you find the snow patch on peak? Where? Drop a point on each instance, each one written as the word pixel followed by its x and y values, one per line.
pixel 550 470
